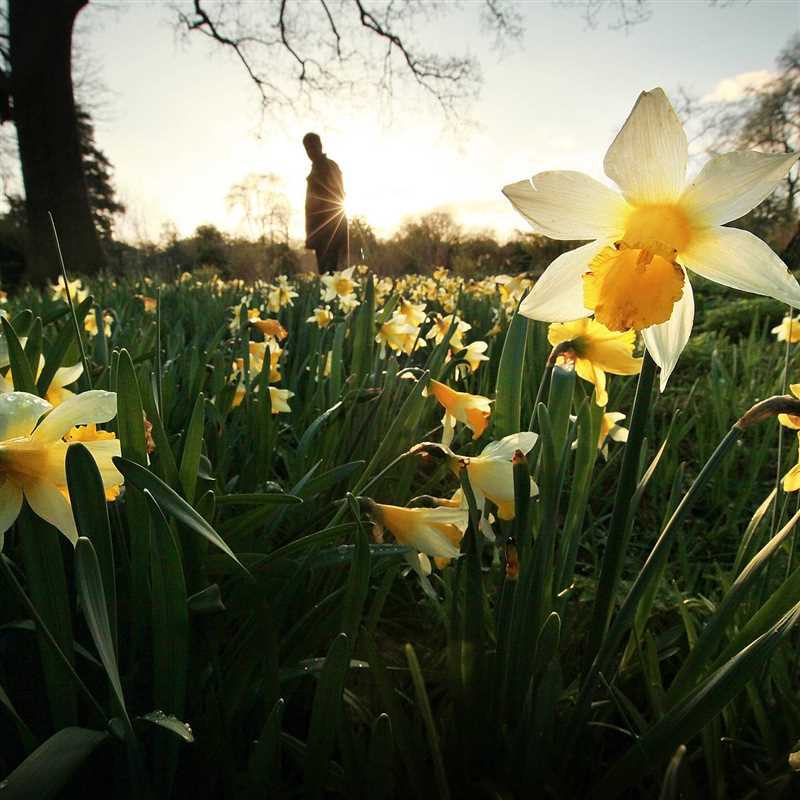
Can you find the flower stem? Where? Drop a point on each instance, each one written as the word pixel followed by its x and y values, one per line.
pixel 619 529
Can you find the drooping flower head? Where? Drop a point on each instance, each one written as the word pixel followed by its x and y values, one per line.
pixel 595 350
pixel 633 275
pixel 473 410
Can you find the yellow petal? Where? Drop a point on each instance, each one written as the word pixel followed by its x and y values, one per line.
pixel 47 502
pixel 19 413
pixel 626 290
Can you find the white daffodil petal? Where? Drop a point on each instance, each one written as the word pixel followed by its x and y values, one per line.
pixel 19 412
pixel 558 295
pixel 506 447
pixel 742 261
pixel 647 160
pixel 93 406
pixel 103 452
pixel 665 342
pixel 66 375
pixel 10 504
pixel 47 502
pixel 569 205
pixel 732 184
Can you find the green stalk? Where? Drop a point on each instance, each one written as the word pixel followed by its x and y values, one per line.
pixel 619 531
pixel 78 335
pixel 652 567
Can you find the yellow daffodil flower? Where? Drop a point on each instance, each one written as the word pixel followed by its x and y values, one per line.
pixel 89 433
pixel 279 400
pixel 150 303
pixel 339 284
pixel 609 429
pixel 322 316
pixel 595 350
pixel 791 420
pixel 59 290
pixel 473 354
pixel 788 330
pixel 441 327
pixel 414 314
pixel 282 294
pixel 791 480
pixel 634 272
pixel 32 456
pixel 433 531
pixel 473 410
pixel 491 474
pixel 90 324
pixel 397 334
pixel 271 328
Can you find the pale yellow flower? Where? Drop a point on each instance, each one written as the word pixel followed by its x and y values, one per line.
pixel 791 480
pixel 788 329
pixel 32 457
pixel 271 328
pixel 59 290
pixel 595 350
pixel 474 353
pixel 633 273
pixel 397 334
pixel 610 429
pixel 279 400
pixel 433 531
pixel 322 316
pixel 441 327
pixel 473 410
pixel 339 284
pixel 791 420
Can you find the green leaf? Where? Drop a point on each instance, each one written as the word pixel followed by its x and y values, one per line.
pixel 380 760
pixel 170 723
pixel 50 766
pixel 172 503
pixel 47 585
pixel 363 326
pixel 90 509
pixel 170 632
pixel 325 713
pixel 264 773
pixel 95 611
pixel 357 580
pixel 507 412
pixel 24 380
pixel 192 449
pixel 692 714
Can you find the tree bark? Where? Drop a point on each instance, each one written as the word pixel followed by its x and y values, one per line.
pixel 44 112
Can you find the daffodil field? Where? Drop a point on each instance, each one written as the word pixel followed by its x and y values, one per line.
pixel 430 536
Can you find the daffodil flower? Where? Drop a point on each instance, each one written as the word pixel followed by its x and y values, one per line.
pixel 432 531
pixel 788 330
pixel 397 334
pixel 610 429
pixel 339 284
pixel 791 420
pixel 279 400
pixel 322 316
pixel 595 350
pixel 32 457
pixel 791 480
pixel 271 328
pixel 633 273
pixel 57 392
pixel 491 474
pixel 473 354
pixel 473 410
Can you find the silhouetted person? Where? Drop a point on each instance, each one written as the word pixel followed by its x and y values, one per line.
pixel 326 223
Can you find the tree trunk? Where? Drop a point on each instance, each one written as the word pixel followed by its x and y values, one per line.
pixel 47 130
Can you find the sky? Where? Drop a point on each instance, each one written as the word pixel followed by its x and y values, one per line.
pixel 182 124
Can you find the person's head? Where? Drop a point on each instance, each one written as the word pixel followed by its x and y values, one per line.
pixel 313 145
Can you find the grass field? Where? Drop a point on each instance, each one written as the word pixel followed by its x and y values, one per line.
pixel 273 592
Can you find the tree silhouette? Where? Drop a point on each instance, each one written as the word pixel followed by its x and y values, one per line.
pixel 280 42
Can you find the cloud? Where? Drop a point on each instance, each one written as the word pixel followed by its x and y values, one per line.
pixel 731 89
